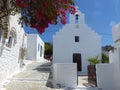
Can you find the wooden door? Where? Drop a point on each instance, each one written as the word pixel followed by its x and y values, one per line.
pixel 77 59
pixel 92 74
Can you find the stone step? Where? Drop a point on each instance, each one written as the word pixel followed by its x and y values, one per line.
pixel 30 80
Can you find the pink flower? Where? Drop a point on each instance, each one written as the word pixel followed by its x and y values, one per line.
pixel 72 9
pixel 40 29
pixel 63 20
pixel 20 3
pixel 33 26
pixel 39 15
pixel 63 13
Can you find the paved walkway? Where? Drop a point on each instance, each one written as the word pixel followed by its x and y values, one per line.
pixel 36 76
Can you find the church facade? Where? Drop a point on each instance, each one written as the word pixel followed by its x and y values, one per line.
pixel 76 42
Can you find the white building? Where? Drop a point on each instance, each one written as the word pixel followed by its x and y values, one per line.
pixel 76 42
pixel 115 56
pixel 35 47
pixel 12 39
pixel 108 75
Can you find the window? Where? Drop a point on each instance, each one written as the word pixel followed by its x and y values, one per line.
pixel 10 40
pixel 76 18
pixel 0 35
pixel 41 51
pixel 76 38
pixel 38 47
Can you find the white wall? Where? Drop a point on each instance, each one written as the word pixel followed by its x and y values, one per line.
pixel 108 75
pixel 33 53
pixel 115 55
pixel 105 77
pixel 115 60
pixel 64 44
pixel 116 32
pixel 31 46
pixel 40 52
pixel 65 74
pixel 9 58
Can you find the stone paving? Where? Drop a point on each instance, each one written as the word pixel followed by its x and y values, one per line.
pixel 36 76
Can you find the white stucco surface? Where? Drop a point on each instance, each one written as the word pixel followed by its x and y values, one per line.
pixel 105 76
pixel 116 32
pixel 35 47
pixel 65 74
pixel 9 58
pixel 108 75
pixel 64 45
pixel 115 55
pixel 115 60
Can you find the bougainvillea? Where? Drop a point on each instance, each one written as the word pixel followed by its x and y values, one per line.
pixel 40 13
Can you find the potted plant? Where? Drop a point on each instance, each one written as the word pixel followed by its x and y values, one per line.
pixel 92 70
pixel 94 60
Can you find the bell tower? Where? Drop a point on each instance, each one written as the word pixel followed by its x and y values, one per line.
pixel 77 18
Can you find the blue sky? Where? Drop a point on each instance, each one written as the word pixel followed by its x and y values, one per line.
pixel 100 15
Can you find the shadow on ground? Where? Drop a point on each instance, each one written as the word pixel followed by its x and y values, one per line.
pixel 49 82
pixel 46 68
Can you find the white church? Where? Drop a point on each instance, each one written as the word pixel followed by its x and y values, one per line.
pixel 76 42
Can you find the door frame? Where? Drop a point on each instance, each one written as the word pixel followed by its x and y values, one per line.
pixel 77 59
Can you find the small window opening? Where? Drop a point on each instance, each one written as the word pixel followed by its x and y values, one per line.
pixel 41 51
pixel 76 38
pixel 76 18
pixel 0 35
pixel 10 40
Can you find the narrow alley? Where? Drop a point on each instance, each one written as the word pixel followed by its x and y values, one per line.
pixel 36 76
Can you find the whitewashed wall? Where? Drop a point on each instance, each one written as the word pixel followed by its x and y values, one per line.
pixel 115 60
pixel 65 74
pixel 105 77
pixel 34 44
pixel 108 75
pixel 116 32
pixel 9 58
pixel 64 44
pixel 40 48
pixel 111 78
